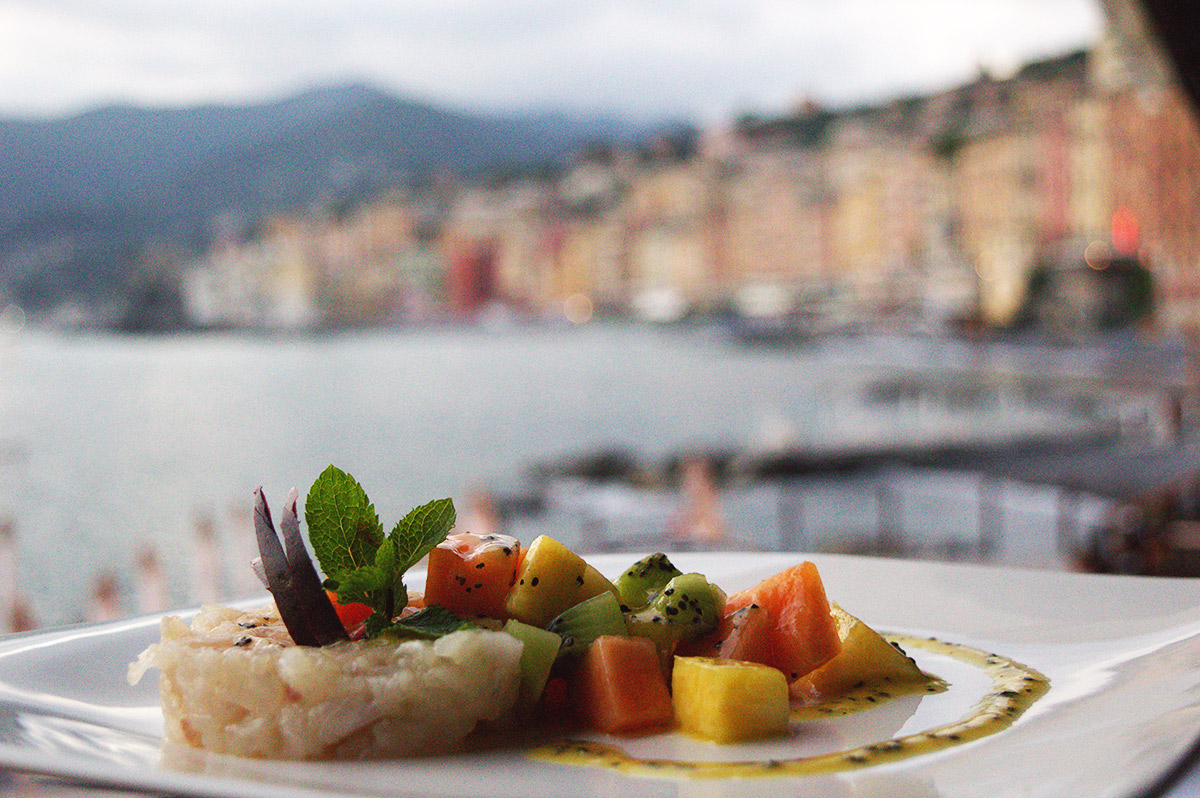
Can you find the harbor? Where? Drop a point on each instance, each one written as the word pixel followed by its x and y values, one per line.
pixel 126 489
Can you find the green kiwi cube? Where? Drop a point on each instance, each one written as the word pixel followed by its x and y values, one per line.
pixel 537 657
pixel 643 580
pixel 579 625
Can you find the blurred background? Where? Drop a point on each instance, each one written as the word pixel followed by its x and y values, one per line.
pixel 917 280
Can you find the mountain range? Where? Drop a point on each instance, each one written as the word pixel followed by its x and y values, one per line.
pixel 82 198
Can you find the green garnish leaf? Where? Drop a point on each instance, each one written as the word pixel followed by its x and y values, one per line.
pixel 343 528
pixel 387 561
pixel 429 622
pixel 359 585
pixel 419 532
pixel 361 564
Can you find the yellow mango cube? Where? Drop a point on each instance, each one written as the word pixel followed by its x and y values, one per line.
pixel 552 578
pixel 594 583
pixel 866 658
pixel 729 701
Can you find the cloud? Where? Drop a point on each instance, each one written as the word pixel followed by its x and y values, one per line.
pixel 704 57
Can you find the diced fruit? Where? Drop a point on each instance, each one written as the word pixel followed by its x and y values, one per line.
pixel 551 579
pixel 644 580
pixel 619 686
pixel 865 657
pixel 556 698
pixel 351 614
pixel 537 657
pixel 801 634
pixel 471 574
pixel 595 583
pixel 688 607
pixel 578 626
pixel 729 701
pixel 742 634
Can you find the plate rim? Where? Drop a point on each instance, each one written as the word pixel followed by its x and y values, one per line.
pixel 15 757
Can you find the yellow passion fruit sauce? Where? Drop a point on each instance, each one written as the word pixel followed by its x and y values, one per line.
pixel 1014 688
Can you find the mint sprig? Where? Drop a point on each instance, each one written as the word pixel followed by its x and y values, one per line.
pixel 419 532
pixel 343 528
pixel 360 564
pixel 427 623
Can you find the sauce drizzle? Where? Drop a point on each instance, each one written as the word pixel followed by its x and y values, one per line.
pixel 1014 688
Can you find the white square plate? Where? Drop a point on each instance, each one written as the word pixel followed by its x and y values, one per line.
pixel 1122 712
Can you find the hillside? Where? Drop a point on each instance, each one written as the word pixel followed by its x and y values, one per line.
pixel 81 197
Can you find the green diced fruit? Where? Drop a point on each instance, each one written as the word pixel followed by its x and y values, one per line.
pixel 578 626
pixel 644 580
pixel 551 579
pixel 688 607
pixel 537 657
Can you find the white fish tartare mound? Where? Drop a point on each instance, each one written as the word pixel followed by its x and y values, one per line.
pixel 234 683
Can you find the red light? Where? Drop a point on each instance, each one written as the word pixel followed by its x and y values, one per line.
pixel 1124 231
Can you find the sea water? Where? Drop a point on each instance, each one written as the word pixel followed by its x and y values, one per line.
pixel 112 446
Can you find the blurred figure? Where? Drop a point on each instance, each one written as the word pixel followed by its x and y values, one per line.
pixel 152 589
pixel 105 604
pixel 245 549
pixel 15 613
pixel 699 518
pixel 480 515
pixel 205 562
pixel 1173 415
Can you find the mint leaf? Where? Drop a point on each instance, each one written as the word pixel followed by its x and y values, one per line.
pixel 417 533
pixel 362 565
pixel 343 528
pixel 359 585
pixel 386 560
pixel 426 623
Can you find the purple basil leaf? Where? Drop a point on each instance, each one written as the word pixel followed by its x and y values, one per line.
pixel 323 619
pixel 279 579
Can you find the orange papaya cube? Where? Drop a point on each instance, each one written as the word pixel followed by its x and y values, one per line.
pixel 471 574
pixel 351 614
pixel 620 688
pixel 800 634
pixel 742 634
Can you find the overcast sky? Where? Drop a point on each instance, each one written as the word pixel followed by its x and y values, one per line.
pixel 702 59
